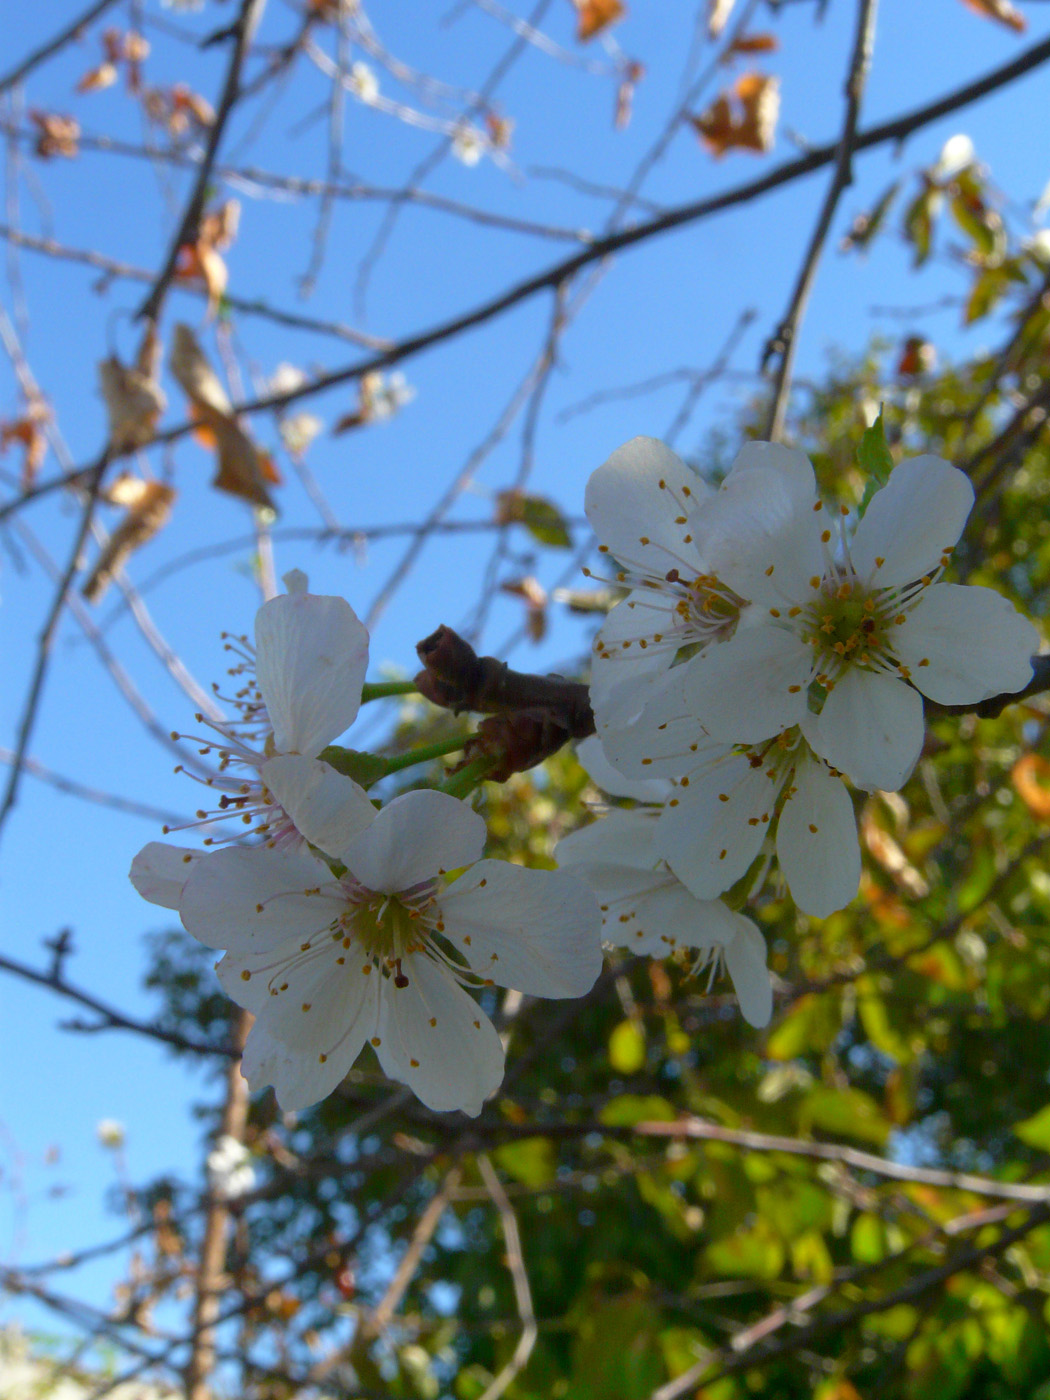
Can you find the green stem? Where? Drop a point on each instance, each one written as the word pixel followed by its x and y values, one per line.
pixel 379 690
pixel 470 776
pixel 425 753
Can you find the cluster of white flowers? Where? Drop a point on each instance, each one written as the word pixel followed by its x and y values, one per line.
pixel 766 650
pixel 343 923
pixel 768 653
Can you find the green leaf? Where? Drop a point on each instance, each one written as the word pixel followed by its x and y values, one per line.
pixel 1035 1131
pixel 875 460
pixel 542 518
pixel 532 1161
pixel 849 1113
pixel 867 1240
pixel 627 1048
pixel 364 768
pixel 628 1109
pixel 754 1253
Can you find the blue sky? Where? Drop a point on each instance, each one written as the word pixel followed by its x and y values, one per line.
pixel 669 304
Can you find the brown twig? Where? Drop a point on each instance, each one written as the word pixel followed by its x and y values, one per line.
pixel 59 41
pixel 519 1277
pixel 783 342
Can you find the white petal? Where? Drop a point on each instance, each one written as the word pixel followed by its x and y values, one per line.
pixel 634 500
pixel 789 463
pixel 592 759
pixel 538 931
pixel 327 807
pixel 310 1003
pixel 746 963
pixel 413 838
pixel 817 842
pixel 255 900
pixel 310 663
pixel 620 838
pixel 714 833
pixel 871 729
pixel 621 675
pixel 751 687
pixel 668 916
pixel 917 515
pixel 964 643
pixel 666 740
pixel 160 871
pixel 437 1040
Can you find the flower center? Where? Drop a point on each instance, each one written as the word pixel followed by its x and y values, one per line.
pixel 709 609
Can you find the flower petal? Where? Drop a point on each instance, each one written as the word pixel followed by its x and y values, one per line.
pixel 252 901
pixel 310 663
pixel 909 524
pixel 327 807
pixel 716 830
pixel 437 1040
pixel 751 687
pixel 790 464
pixel 619 838
pixel 666 740
pixel 963 643
pixel 817 842
pixel 413 838
pixel 160 871
pixel 746 962
pixel 871 729
pixel 591 757
pixel 622 669
pixel 538 931
pixel 635 501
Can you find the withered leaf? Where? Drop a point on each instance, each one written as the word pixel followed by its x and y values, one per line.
pixel 1001 10
pixel 58 135
pixel 595 15
pixel 28 433
pixel 632 76
pixel 133 396
pixel 742 118
pixel 718 12
pixel 751 43
pixel 243 469
pixel 534 596
pixel 144 519
pixel 95 79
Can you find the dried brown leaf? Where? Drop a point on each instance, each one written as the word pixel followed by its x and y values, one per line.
pixel 58 135
pixel 242 469
pixel 95 79
pixel 718 12
pixel 742 118
pixel 200 262
pixel 145 518
pixel 28 433
pixel 632 76
pixel 595 15
pixel 751 43
pixel 133 396
pixel 1000 10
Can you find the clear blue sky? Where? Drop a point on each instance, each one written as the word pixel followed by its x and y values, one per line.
pixel 668 304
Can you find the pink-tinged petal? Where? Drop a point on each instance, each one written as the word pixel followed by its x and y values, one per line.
pixel 715 831
pixel 626 660
pixel 871 729
pixel 437 1040
pixel 911 522
pixel 591 758
pixel 817 842
pixel 252 901
pixel 327 807
pixel 311 654
pixel 538 931
pixel 964 643
pixel 160 871
pixel 635 502
pixel 751 687
pixel 415 837
pixel 746 963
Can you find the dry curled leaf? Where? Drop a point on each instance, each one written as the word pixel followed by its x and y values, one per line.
pixel 201 258
pixel 751 43
pixel 595 15
pixel 742 118
pixel 1030 776
pixel 144 519
pixel 534 596
pixel 243 469
pixel 95 79
pixel 133 396
pixel 28 433
pixel 1001 10
pixel 58 135
pixel 633 73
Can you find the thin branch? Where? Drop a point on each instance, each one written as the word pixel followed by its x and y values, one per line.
pixel 54 980
pixel 242 32
pixel 784 342
pixel 519 1277
pixel 65 36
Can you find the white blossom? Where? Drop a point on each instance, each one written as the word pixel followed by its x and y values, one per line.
pixel 110 1133
pixel 668 532
pixel 468 144
pixel 363 82
pixel 647 910
pixel 229 1168
pixel 299 689
pixel 382 952
pixel 857 630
